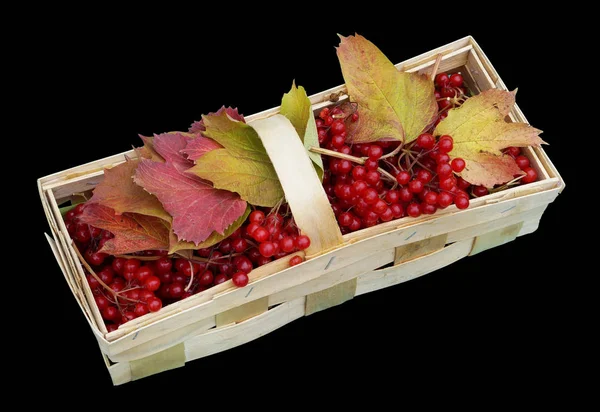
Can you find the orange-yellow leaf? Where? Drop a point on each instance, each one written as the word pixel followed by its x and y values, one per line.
pixel 480 132
pixel 392 104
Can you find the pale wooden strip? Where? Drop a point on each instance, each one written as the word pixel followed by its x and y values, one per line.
pixel 228 337
pixel 89 303
pixel 481 76
pixel 495 238
pixel 449 62
pixel 303 190
pixel 242 312
pixel 164 341
pixel 120 373
pixel 473 231
pixel 368 262
pixel 170 358
pixel 330 297
pixel 379 279
pixel 423 247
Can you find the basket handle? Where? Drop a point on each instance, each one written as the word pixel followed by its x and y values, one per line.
pixel 301 185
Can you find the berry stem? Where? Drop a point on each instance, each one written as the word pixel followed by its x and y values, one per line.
pixel 189 285
pixel 354 159
pixel 393 152
pixel 506 185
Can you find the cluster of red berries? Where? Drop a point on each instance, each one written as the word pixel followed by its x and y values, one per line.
pixel 450 92
pixel 523 162
pixel 360 189
pixel 129 287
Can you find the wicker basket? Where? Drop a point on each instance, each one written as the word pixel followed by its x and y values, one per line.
pixel 337 267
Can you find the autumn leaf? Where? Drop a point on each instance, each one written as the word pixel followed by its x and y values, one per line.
pixel 147 151
pixel 392 104
pixel 296 106
pixel 196 206
pixel 133 232
pixel 242 166
pixel 199 146
pixel 199 127
pixel 170 145
pixel 480 132
pixel 176 245
pixel 119 192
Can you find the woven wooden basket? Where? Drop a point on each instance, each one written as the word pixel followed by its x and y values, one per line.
pixel 337 267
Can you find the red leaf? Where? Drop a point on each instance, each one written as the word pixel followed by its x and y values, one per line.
pixel 199 146
pixel 133 232
pixel 198 126
pixel 197 208
pixel 170 146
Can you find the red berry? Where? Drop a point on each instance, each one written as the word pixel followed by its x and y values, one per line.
pixel 358 187
pixel 462 183
pixel 302 242
pixel 442 79
pixel 359 173
pixel 371 164
pixel 239 245
pixel 163 265
pixel 530 175
pixel 296 260
pixel 522 162
pixel 345 219
pixel 386 215
pixel 431 198
pixel 206 278
pixel 445 144
pixel 429 209
pixel 444 170
pixel 446 103
pixel 131 265
pixel 413 209
pixel 458 164
pixel 111 313
pixel 261 234
pixel 461 202
pixel 154 304
pixel 267 249
pixel 94 258
pixel 225 246
pixel 373 177
pixel 354 116
pixel 479 191
pixel 416 186
pixel 176 290
pixel 444 199
pixel 355 225
pixel 392 196
pixel 324 113
pixel 250 229
pixel 338 141
pixel 403 177
pixel 442 158
pixel 143 273
pixel 513 151
pixel 243 264
pixel 448 92
pixel 220 278
pixel 140 309
pixel 375 152
pixel 145 294
pixel 456 80
pixel 447 183
pixel 152 283
pixel 424 176
pixel 345 166
pixel 240 279
pixel 426 141
pixel 370 195
pixel 397 210
pixel 405 194
pixel 101 302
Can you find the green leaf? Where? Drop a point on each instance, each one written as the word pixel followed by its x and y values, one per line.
pixel 243 166
pixel 296 106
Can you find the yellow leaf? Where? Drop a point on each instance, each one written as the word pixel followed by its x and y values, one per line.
pixel 392 104
pixel 480 132
pixel 296 106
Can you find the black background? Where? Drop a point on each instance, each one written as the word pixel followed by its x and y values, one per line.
pixel 495 314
